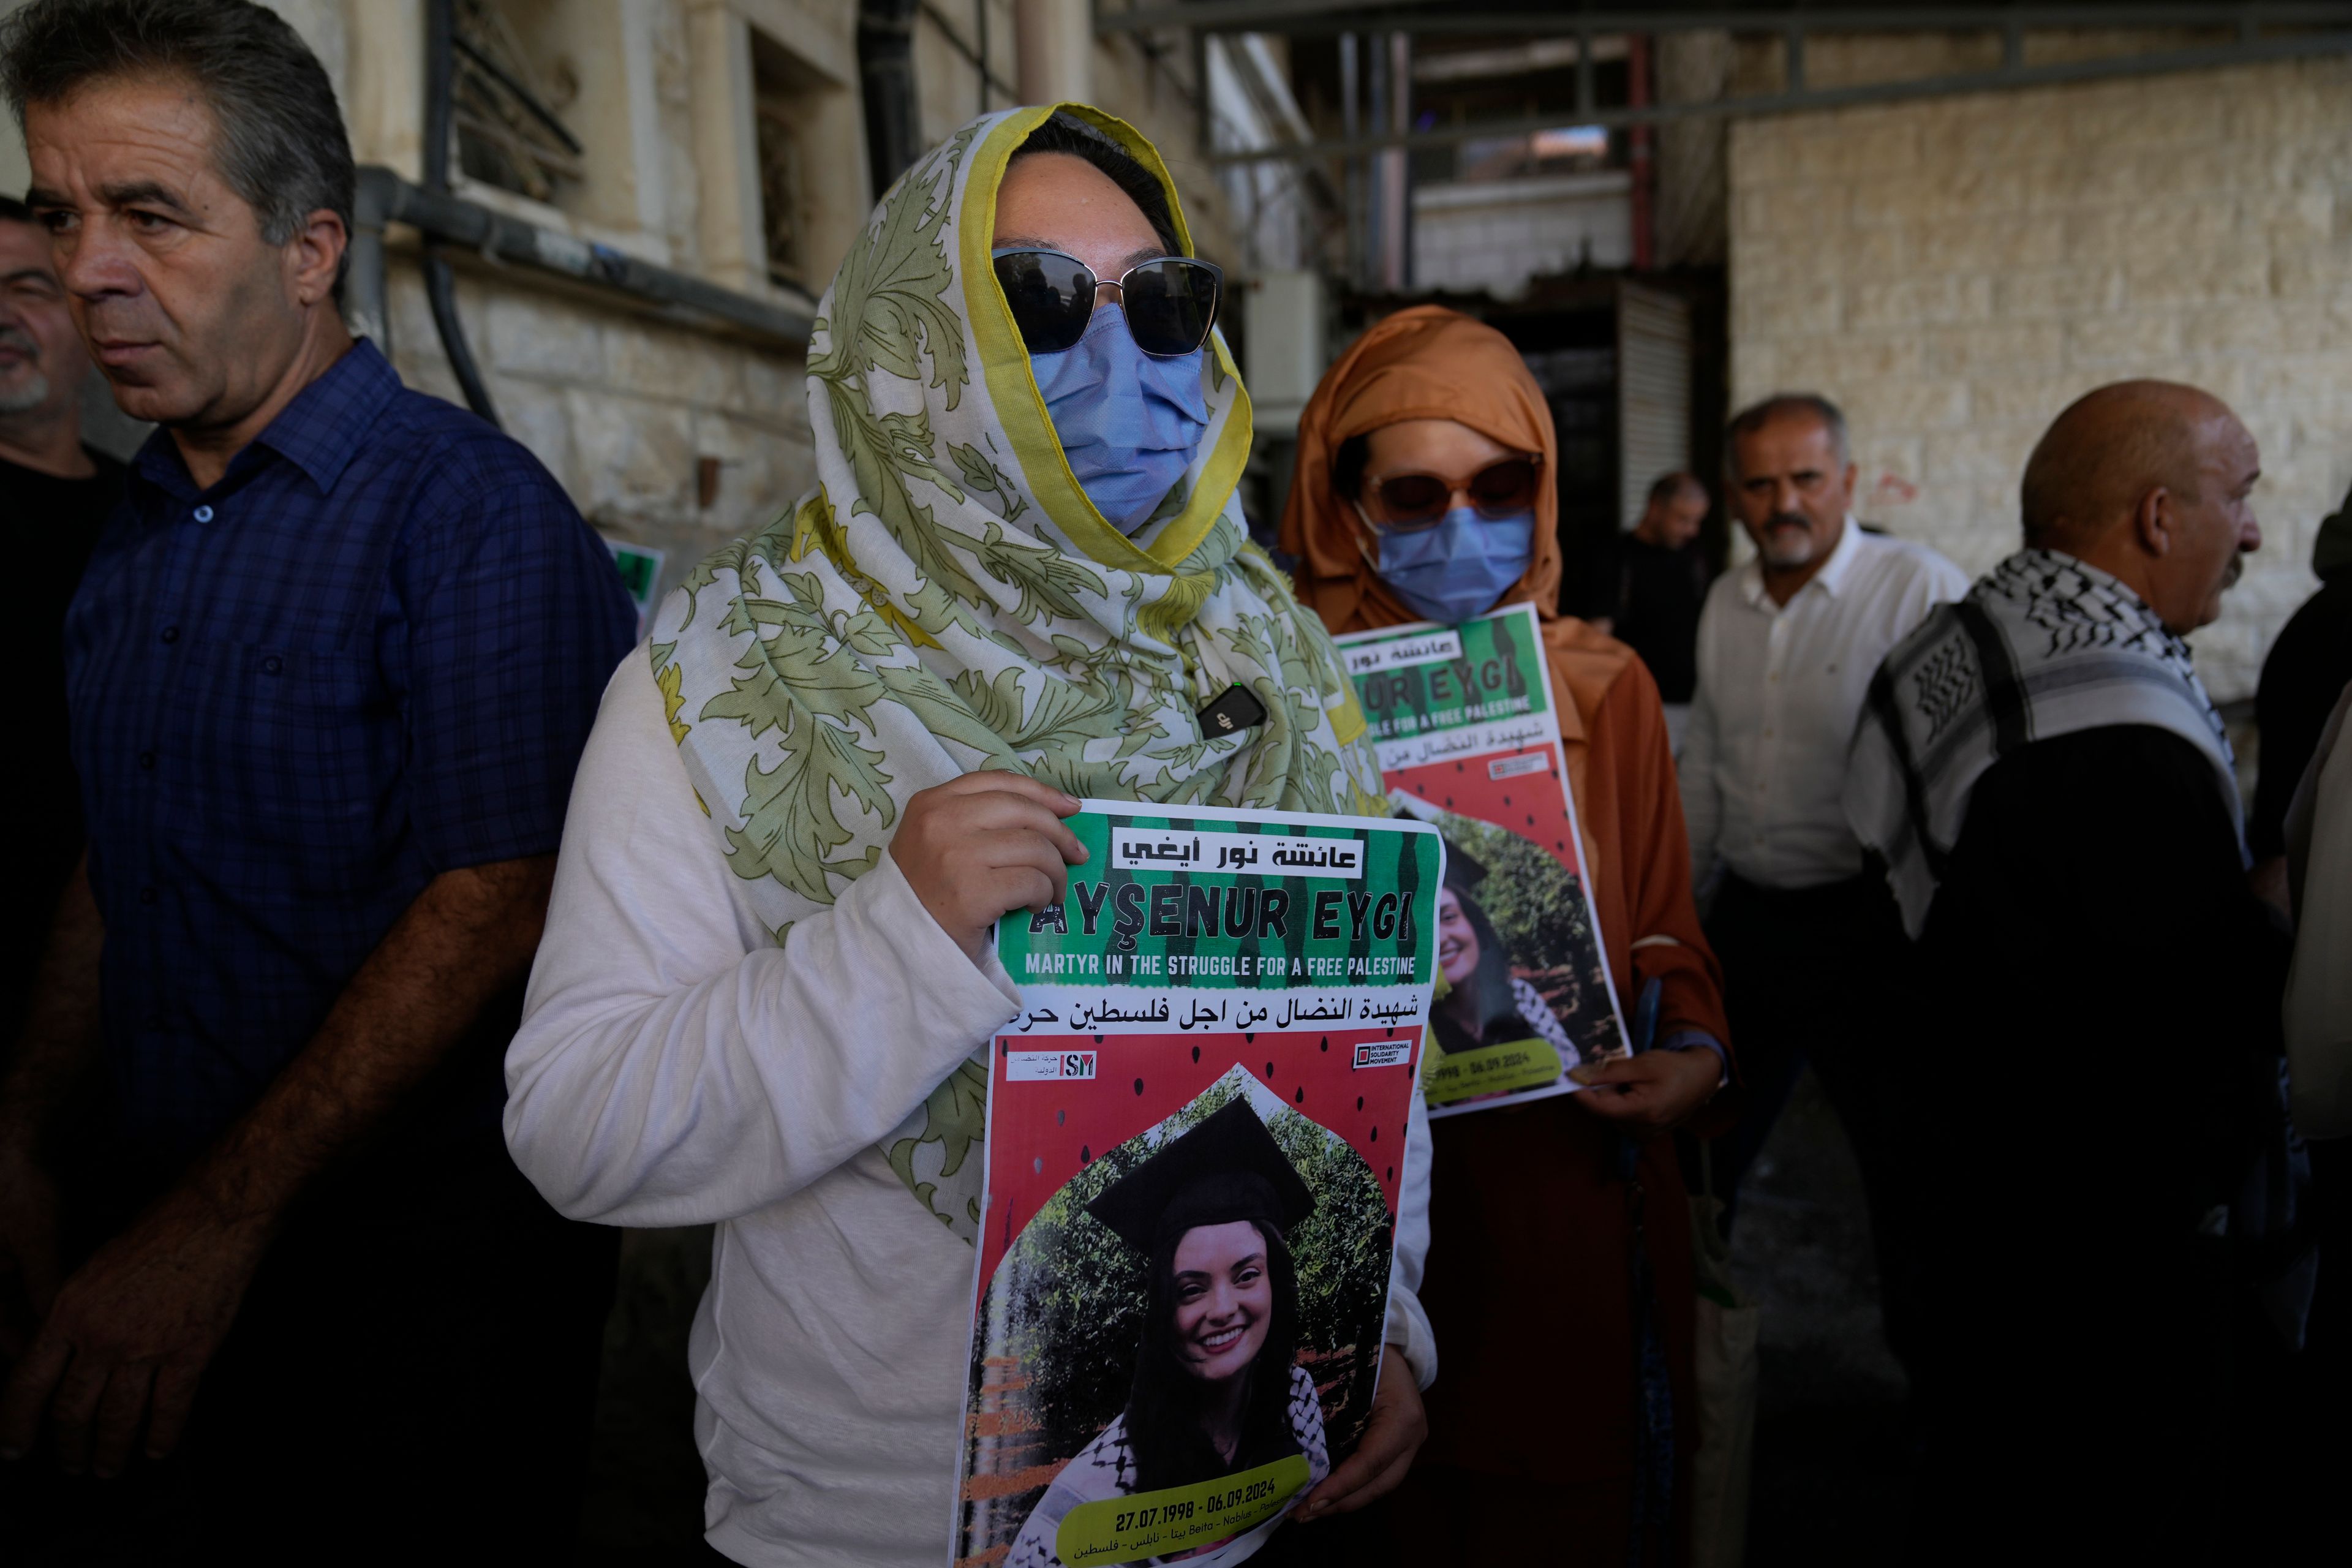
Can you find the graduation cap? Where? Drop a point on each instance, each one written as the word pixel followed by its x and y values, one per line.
pixel 1463 871
pixel 1227 1168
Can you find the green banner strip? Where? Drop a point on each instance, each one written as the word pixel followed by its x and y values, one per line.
pixel 1498 674
pixel 1208 929
pixel 1505 1068
pixel 1180 1518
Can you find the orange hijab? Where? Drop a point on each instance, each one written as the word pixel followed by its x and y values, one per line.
pixel 1430 363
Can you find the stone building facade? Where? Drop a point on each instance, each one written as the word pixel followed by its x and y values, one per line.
pixel 672 434
pixel 1954 271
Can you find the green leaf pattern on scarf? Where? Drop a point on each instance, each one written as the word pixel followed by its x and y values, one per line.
pixel 821 671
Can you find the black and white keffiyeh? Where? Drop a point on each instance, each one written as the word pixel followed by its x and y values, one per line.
pixel 1106 1468
pixel 2043 645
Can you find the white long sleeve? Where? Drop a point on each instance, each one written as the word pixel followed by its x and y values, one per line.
pixel 1408 1325
pixel 675 1065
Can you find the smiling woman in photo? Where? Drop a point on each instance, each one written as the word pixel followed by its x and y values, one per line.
pixel 1217 1387
pixel 1485 1003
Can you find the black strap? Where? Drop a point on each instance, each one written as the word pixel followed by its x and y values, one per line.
pixel 1889 714
pixel 2004 692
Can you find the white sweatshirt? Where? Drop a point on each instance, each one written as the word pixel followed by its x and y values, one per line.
pixel 676 1066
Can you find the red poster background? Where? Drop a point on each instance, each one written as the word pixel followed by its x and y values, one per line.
pixel 1534 805
pixel 1040 1135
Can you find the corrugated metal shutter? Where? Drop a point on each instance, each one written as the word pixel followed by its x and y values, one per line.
pixel 1653 393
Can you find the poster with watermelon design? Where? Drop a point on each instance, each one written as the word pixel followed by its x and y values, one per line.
pixel 1469 743
pixel 1197 1130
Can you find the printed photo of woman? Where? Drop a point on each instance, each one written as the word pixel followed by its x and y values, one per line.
pixel 1486 1004
pixel 1217 1388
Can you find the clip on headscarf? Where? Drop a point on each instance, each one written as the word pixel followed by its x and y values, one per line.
pixel 1234 712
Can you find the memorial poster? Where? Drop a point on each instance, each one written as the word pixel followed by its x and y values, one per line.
pixel 1197 1130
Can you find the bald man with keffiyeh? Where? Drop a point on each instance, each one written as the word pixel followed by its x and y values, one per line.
pixel 2096 1041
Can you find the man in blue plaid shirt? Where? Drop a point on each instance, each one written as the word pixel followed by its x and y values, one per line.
pixel 331 671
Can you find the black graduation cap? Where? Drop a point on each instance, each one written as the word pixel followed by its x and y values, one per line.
pixel 1228 1168
pixel 1463 871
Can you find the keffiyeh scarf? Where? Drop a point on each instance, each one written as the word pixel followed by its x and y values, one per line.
pixel 2042 647
pixel 948 599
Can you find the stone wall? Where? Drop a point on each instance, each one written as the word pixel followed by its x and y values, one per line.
pixel 626 409
pixel 1954 271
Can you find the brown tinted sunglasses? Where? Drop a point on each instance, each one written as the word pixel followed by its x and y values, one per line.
pixel 1409 501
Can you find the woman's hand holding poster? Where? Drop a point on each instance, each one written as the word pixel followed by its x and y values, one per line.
pixel 1196 1137
pixel 1469 741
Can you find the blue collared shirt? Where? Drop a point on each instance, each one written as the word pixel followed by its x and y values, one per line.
pixel 370 654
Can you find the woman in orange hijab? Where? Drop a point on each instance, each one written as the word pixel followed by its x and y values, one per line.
pixel 1540 1448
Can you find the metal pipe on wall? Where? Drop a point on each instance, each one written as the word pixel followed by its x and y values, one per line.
pixel 384 198
pixel 1639 140
pixel 1350 88
pixel 440 282
pixel 1395 172
pixel 979 46
pixel 1376 185
pixel 886 74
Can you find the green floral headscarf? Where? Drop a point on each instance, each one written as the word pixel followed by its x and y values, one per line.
pixel 948 599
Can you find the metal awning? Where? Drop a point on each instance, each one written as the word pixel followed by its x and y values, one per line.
pixel 2259 31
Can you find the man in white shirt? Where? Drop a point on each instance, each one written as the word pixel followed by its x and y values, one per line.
pixel 1808 936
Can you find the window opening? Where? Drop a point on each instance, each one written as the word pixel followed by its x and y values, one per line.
pixel 787 96
pixel 783 196
pixel 509 132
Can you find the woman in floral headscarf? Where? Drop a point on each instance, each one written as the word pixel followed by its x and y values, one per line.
pixel 847 749
pixel 1424 491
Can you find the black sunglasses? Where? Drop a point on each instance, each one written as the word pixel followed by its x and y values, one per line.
pixel 1409 501
pixel 1172 300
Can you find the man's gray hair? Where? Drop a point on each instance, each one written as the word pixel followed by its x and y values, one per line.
pixel 1784 405
pixel 282 144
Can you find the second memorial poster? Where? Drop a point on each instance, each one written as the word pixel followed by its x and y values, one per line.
pixel 1469 743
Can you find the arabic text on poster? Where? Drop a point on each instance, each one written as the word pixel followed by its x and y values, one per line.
pixel 1468 736
pixel 1209 1081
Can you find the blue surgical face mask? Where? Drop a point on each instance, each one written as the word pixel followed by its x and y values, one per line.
pixel 1459 568
pixel 1129 423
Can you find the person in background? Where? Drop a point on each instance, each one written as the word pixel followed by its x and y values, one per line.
pixel 330 671
pixel 2052 793
pixel 56 493
pixel 994 652
pixel 2300 835
pixel 1811 951
pixel 1536 1452
pixel 2317 1015
pixel 1661 586
pixel 2318 1010
pixel 2302 677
